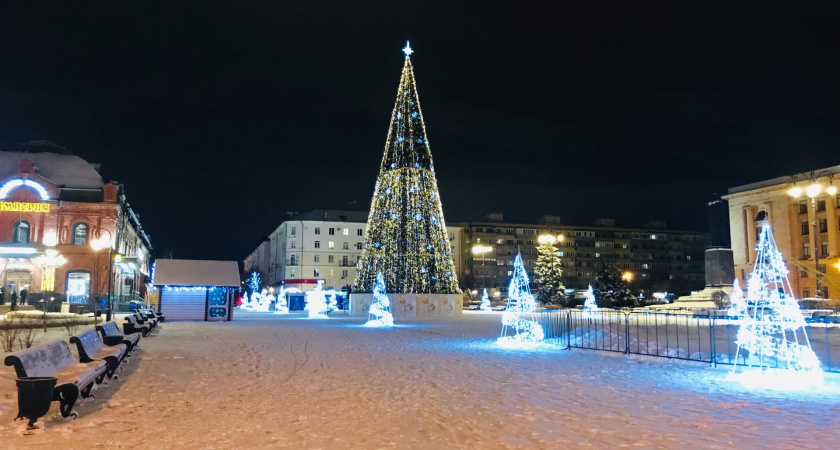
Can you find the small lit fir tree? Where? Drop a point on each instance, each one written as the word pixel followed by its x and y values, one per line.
pixel 485 301
pixel 548 272
pixel 406 235
pixel 254 282
pixel 772 332
pixel 590 305
pixel 379 314
pixel 519 324
pixel 610 289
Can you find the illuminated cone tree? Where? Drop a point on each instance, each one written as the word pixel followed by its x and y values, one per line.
pixel 406 236
pixel 485 301
pixel 772 332
pixel 519 324
pixel 379 314
pixel 590 305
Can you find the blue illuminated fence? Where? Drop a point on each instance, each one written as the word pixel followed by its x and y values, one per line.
pixel 708 337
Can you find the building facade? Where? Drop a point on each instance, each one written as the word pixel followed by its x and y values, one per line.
pixel 654 258
pixel 320 245
pixel 804 215
pixel 58 202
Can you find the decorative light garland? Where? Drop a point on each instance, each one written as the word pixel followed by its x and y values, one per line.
pixel 485 302
pixel 590 305
pixel 406 237
pixel 520 328
pixel 379 314
pixel 772 331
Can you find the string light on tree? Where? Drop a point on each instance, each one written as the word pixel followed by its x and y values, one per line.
pixel 590 306
pixel 254 282
pixel 772 336
pixel 485 301
pixel 319 303
pixel 379 314
pixel 406 235
pixel 520 328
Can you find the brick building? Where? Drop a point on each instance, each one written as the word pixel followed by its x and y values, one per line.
pixel 55 200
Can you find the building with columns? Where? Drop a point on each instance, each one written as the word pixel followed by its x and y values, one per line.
pixel 803 213
pixel 52 201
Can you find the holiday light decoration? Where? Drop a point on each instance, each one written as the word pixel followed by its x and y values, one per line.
pixel 485 301
pixel 406 235
pixel 319 303
pixel 519 325
pixel 281 306
pixel 379 314
pixel 772 334
pixel 590 306
pixel 254 281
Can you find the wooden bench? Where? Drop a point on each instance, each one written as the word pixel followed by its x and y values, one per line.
pixel 54 359
pixel 111 330
pixel 132 326
pixel 91 348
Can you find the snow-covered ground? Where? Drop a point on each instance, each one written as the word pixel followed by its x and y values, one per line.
pixel 285 381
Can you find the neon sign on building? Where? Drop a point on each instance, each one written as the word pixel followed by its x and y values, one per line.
pixel 14 183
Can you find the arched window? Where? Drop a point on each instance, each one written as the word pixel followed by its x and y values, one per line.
pixel 20 232
pixel 762 215
pixel 80 234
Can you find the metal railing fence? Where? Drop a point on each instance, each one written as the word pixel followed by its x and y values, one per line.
pixel 709 337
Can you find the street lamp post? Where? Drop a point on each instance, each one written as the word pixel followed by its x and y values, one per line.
pixel 482 250
pixel 812 191
pixel 99 244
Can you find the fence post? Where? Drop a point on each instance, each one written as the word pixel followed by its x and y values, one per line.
pixel 568 329
pixel 626 333
pixel 712 319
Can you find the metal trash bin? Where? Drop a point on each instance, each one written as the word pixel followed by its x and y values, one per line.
pixel 34 397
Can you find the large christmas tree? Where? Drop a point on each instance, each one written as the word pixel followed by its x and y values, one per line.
pixel 406 235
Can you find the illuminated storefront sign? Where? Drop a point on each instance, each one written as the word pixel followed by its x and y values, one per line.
pixel 25 207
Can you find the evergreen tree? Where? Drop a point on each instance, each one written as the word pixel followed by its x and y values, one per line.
pixel 610 289
pixel 485 302
pixel 547 274
pixel 379 314
pixel 406 235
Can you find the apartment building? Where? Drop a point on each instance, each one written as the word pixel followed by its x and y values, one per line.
pixel 654 258
pixel 319 245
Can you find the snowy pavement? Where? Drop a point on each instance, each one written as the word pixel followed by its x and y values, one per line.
pixel 285 381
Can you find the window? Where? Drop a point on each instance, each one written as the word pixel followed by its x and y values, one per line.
pixel 317 244
pixel 824 249
pixel 317 230
pixel 332 272
pixel 358 245
pixel 344 260
pixel 80 234
pixel 345 246
pixel 806 293
pixel 20 232
pixel 330 244
pixel 344 273
pixel 359 232
pixel 292 261
pixel 330 258
pixel 317 258
pixel 292 244
pixel 806 250
pixel 345 231
pixel 803 274
pixel 315 273
pixel 821 205
pixel 803 207
pixel 78 286
pixel 294 231
pixel 510 272
pixel 804 228
pixel 499 241
pixel 332 231
pixel 291 273
pixel 823 225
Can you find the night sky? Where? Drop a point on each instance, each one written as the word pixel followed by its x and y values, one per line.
pixel 219 117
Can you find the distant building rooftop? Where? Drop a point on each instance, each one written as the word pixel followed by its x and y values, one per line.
pixel 60 168
pixel 332 215
pixel 782 180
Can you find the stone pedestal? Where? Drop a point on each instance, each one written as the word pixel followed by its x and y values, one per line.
pixel 412 305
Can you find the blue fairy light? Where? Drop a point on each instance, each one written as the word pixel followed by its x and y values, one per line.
pixel 414 114
pixel 400 138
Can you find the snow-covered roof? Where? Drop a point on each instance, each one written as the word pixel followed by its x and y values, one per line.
pixel 193 272
pixel 61 169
